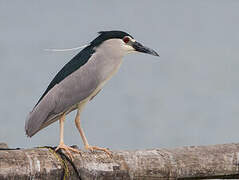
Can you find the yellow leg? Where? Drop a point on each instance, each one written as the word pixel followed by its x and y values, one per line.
pixel 86 144
pixel 61 144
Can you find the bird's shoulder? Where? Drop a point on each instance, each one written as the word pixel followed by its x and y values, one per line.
pixel 74 64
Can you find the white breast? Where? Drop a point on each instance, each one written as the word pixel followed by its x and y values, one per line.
pixel 101 85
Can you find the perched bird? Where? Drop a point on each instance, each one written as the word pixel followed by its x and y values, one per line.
pixel 79 81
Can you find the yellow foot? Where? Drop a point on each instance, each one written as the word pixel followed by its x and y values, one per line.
pixel 92 148
pixel 68 149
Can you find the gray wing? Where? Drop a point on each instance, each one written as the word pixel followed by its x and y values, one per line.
pixel 73 89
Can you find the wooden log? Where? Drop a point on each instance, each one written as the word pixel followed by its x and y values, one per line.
pixel 193 162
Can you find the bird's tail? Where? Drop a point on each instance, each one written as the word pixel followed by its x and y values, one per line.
pixel 28 130
pixel 39 117
pixel 33 123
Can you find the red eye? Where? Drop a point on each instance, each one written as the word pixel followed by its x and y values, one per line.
pixel 126 39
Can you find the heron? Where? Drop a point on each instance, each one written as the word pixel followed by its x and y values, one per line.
pixel 79 81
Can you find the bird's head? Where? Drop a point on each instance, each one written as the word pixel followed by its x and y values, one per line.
pixel 121 42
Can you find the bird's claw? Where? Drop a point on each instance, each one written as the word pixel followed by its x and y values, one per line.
pixel 95 148
pixel 67 149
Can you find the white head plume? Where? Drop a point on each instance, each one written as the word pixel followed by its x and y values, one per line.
pixel 64 50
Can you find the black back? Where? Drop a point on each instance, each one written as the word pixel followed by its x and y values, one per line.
pixel 82 57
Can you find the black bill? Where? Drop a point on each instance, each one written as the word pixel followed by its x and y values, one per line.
pixel 140 48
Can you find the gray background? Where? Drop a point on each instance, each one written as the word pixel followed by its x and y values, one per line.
pixel 188 96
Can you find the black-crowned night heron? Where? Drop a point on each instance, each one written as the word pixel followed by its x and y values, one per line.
pixel 79 81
